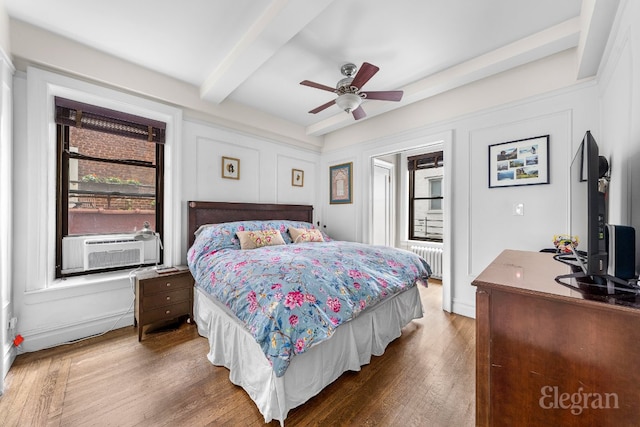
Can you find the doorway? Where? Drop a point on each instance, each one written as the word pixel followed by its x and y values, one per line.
pixel 390 209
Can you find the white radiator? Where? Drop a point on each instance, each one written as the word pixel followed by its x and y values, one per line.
pixel 433 256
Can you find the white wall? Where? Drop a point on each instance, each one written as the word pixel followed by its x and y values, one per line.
pixel 7 353
pixel 619 138
pixel 265 168
pixel 483 224
pixel 4 29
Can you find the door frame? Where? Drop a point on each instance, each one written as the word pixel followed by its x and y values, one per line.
pixel 445 140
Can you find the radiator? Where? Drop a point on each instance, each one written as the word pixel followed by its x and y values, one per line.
pixel 433 256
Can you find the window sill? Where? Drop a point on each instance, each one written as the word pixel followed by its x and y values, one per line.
pixel 78 286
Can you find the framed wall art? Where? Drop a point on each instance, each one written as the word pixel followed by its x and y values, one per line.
pixel 230 168
pixel 297 178
pixel 340 182
pixel 521 162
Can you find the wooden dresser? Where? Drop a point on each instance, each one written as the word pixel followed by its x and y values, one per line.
pixel 549 355
pixel 161 297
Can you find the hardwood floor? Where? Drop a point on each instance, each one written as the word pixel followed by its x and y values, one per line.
pixel 425 378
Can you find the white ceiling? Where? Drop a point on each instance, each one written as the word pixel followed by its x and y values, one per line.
pixel 257 52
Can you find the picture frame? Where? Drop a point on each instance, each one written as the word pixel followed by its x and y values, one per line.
pixel 297 178
pixel 341 183
pixel 520 162
pixel 230 168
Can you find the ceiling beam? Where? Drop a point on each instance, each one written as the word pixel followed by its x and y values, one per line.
pixel 280 22
pixel 596 20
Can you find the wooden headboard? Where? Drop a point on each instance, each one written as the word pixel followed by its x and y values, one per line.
pixel 201 213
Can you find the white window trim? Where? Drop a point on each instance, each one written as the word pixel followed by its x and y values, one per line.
pixel 42 87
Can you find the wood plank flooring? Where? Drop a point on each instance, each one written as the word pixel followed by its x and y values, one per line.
pixel 425 378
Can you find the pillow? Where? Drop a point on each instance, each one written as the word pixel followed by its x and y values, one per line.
pixel 300 235
pixel 259 238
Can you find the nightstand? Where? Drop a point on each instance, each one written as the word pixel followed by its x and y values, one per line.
pixel 163 296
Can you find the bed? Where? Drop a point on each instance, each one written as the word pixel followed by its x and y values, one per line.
pixel 286 308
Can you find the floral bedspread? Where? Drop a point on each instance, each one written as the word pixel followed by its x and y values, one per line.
pixel 291 297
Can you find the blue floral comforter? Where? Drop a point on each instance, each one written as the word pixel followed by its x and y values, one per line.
pixel 291 297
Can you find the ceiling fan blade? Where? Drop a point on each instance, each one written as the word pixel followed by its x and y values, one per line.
pixel 317 85
pixel 322 107
pixel 359 113
pixel 389 95
pixel 363 75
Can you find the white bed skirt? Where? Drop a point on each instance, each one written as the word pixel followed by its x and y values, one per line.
pixel 350 347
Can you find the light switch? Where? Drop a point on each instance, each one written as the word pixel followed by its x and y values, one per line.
pixel 518 209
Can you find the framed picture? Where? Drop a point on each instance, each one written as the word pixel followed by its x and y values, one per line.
pixel 230 168
pixel 340 182
pixel 521 162
pixel 297 178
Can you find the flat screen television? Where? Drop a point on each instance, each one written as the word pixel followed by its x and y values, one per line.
pixel 588 222
pixel 588 214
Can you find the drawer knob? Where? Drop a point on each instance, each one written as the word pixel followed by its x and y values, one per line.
pixel 168 298
pixel 168 284
pixel 167 312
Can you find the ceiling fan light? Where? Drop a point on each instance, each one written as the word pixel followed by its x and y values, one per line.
pixel 348 102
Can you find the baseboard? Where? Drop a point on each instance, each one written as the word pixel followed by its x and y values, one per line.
pixel 34 341
pixel 463 308
pixel 9 356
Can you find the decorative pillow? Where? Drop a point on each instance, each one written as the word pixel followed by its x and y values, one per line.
pixel 259 238
pixel 299 235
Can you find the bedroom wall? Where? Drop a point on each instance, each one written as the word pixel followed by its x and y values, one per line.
pixel 7 352
pixel 619 96
pixel 483 223
pixel 4 29
pixel 265 168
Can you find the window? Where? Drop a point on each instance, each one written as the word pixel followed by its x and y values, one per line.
pixel 425 196
pixel 109 180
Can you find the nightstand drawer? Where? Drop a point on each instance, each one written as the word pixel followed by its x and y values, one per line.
pixel 166 298
pixel 164 284
pixel 168 312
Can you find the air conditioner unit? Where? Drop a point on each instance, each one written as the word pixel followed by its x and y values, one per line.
pixel 112 252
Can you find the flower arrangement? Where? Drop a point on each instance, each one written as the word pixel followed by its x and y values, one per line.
pixel 564 242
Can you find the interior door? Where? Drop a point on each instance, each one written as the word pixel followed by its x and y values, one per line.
pixel 382 203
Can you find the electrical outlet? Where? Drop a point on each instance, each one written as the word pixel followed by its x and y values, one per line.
pixel 13 322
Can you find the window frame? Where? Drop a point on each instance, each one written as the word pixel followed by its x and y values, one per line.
pixel 431 160
pixel 38 157
pixel 62 200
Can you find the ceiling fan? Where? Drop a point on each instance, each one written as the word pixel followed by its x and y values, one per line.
pixel 350 95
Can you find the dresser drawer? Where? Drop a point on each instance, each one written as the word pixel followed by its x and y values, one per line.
pixel 161 299
pixel 168 312
pixel 164 284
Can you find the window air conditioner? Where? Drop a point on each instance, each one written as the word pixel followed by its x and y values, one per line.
pixel 116 252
